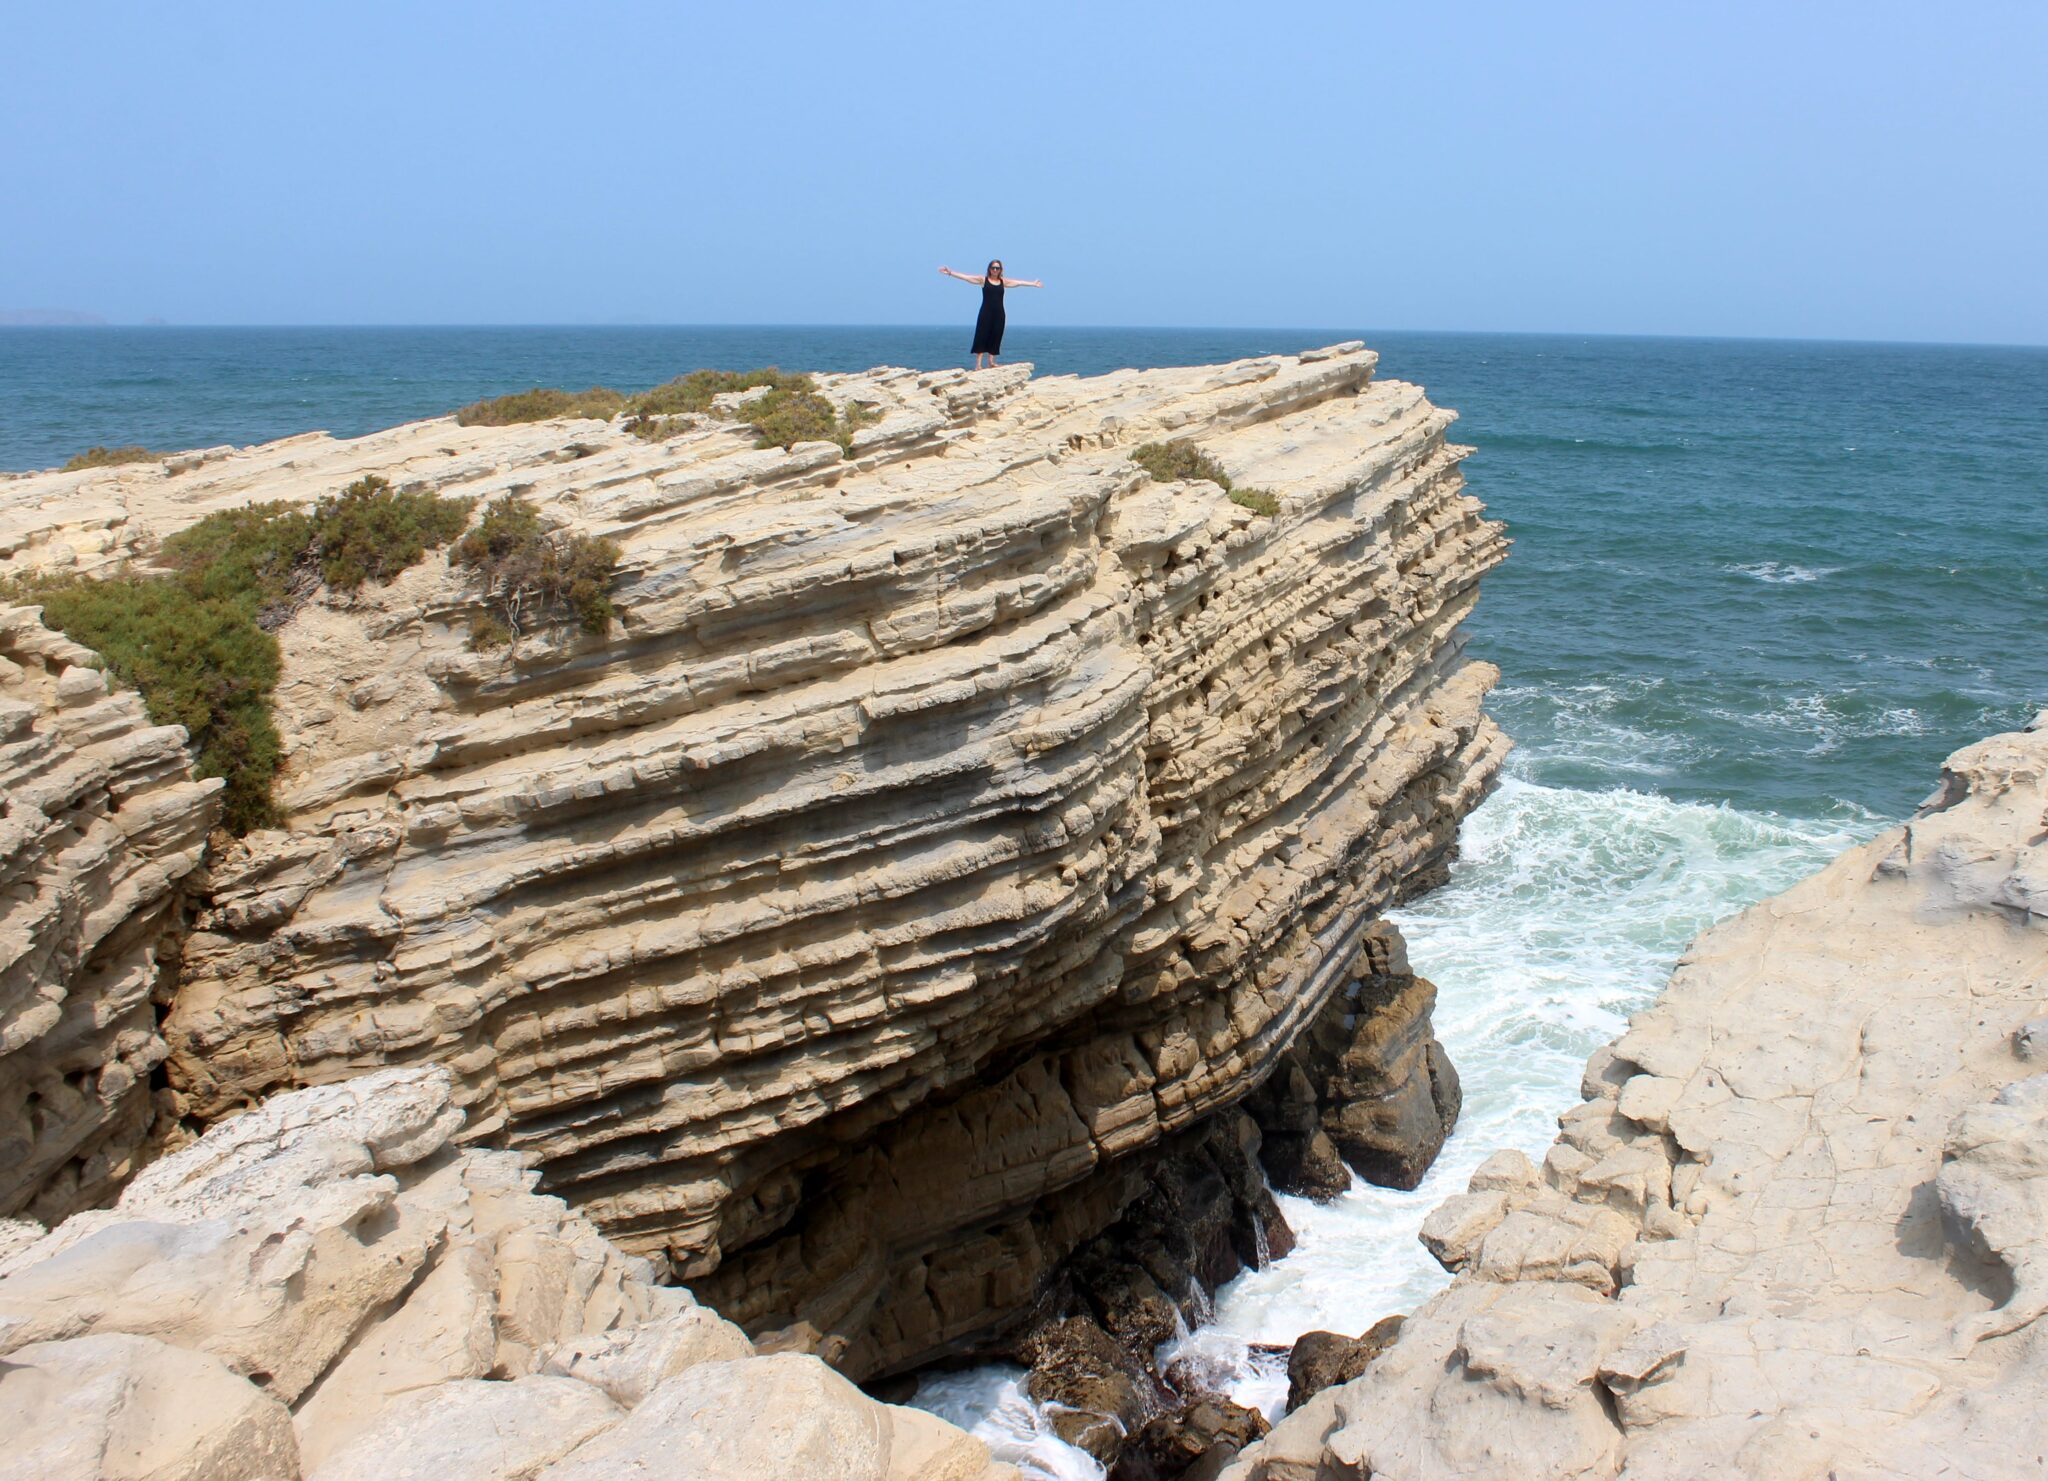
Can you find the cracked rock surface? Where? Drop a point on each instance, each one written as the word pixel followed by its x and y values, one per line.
pixel 1799 1227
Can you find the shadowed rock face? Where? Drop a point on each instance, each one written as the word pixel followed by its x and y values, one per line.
pixel 1366 1086
pixel 936 830
pixel 1799 1227
pixel 100 819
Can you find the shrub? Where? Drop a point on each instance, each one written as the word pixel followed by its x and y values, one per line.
pixel 1178 460
pixel 107 457
pixel 599 403
pixel 196 640
pixel 371 532
pixel 655 428
pixel 258 555
pixel 783 418
pixel 199 661
pixel 534 576
pixel 693 392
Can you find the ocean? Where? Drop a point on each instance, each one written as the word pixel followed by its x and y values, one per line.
pixel 1758 591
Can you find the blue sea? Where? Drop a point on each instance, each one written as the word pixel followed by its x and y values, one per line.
pixel 1758 591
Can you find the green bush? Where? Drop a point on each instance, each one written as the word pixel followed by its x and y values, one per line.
pixel 196 640
pixel 1180 459
pixel 783 418
pixel 259 555
pixel 107 457
pixel 693 392
pixel 371 532
pixel 199 661
pixel 535 577
pixel 599 403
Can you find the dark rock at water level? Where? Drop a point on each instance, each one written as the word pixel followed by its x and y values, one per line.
pixel 1366 1085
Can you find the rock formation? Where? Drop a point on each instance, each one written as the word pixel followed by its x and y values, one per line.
pixel 1366 1086
pixel 1799 1227
pixel 327 1287
pixel 940 830
pixel 100 819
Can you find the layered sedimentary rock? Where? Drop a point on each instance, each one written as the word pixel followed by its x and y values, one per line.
pixel 938 830
pixel 328 1288
pixel 1799 1227
pixel 100 821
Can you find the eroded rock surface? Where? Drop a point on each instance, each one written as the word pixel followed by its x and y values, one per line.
pixel 1366 1086
pixel 1797 1227
pixel 935 830
pixel 101 820
pixel 329 1287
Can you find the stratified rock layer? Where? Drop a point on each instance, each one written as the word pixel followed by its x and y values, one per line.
pixel 937 828
pixel 1799 1228
pixel 327 1287
pixel 100 820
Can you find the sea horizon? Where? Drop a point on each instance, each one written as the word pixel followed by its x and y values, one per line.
pixel 956 324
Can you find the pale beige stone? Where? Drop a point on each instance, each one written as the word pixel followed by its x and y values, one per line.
pixel 120 1408
pixel 471 1430
pixel 782 1418
pixel 1796 1229
pixel 627 1363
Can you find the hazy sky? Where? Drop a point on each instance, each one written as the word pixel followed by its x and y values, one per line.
pixel 1865 170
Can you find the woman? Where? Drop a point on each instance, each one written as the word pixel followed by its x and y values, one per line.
pixel 988 328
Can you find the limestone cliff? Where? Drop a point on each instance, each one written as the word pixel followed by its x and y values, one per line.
pixel 938 831
pixel 1799 1227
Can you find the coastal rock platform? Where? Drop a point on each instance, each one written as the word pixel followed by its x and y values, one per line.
pixel 1799 1226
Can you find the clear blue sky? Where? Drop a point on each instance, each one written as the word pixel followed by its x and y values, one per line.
pixel 1868 170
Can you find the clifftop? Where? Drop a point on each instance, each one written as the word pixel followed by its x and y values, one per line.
pixel 941 828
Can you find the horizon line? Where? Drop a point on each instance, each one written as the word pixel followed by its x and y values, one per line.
pixel 1617 334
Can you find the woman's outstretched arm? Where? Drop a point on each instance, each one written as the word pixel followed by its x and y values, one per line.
pixel 1022 283
pixel 963 277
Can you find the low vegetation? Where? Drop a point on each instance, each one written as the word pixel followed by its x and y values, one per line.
pixel 783 418
pixel 788 411
pixel 599 403
pixel 533 576
pixel 370 531
pixel 200 662
pixel 694 392
pixel 108 457
pixel 1180 459
pixel 197 638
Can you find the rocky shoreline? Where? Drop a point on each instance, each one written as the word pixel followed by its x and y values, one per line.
pixel 1797 1227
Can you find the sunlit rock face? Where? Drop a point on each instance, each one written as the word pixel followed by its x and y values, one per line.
pixel 939 828
pixel 1799 1224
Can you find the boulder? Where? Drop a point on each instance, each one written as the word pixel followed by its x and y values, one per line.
pixel 781 1418
pixel 114 1407
pixel 472 1430
pixel 1320 1359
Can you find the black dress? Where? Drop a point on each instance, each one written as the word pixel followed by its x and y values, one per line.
pixel 988 328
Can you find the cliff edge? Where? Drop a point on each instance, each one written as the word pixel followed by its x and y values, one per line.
pixel 1799 1227
pixel 950 820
